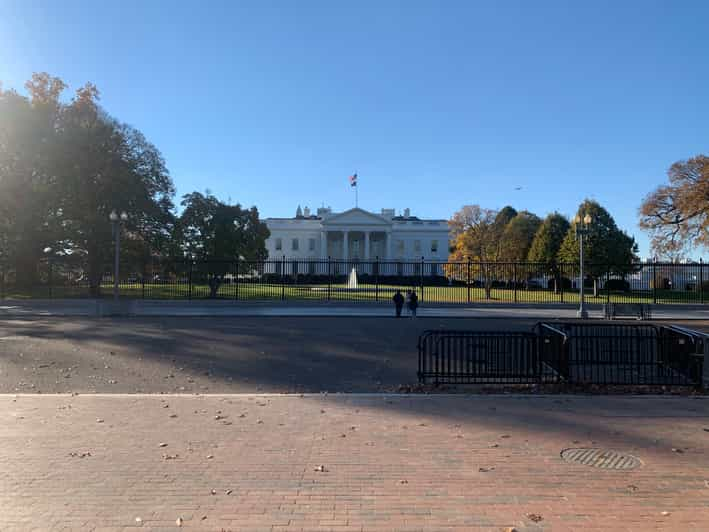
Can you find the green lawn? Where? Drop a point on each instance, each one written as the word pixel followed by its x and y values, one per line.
pixel 365 292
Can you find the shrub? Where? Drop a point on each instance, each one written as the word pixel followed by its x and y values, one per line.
pixel 618 285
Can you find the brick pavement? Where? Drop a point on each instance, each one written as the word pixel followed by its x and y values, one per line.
pixel 414 463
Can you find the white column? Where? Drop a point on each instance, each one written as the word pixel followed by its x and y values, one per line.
pixel 345 245
pixel 323 244
pixel 366 245
pixel 388 257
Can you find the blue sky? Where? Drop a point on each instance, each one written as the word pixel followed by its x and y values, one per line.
pixel 435 104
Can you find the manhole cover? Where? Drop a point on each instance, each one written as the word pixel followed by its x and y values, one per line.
pixel 603 458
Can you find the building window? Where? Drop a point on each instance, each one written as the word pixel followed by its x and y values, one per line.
pixel 417 246
pixel 279 244
pixel 295 244
pixel 434 246
pixel 311 244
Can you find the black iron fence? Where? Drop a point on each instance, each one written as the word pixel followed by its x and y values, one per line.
pixel 435 282
pixel 573 353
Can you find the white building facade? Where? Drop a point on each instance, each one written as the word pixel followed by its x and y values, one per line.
pixel 357 235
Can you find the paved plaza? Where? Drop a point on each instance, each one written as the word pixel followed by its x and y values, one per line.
pixel 219 354
pixel 230 308
pixel 350 462
pixel 167 423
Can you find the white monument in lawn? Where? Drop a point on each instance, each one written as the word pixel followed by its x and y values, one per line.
pixel 352 282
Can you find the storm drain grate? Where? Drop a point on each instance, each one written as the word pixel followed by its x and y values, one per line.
pixel 602 458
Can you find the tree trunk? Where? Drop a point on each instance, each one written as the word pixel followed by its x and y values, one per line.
pixel 26 271
pixel 95 276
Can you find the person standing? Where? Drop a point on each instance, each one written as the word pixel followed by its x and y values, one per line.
pixel 398 303
pixel 413 302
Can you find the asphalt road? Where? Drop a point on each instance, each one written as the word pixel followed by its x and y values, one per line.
pixel 219 355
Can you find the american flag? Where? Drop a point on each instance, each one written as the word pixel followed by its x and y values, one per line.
pixel 353 180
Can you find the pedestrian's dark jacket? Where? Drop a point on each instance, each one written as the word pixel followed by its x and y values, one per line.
pixel 413 300
pixel 398 299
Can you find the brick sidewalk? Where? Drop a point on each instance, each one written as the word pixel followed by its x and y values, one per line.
pixel 390 462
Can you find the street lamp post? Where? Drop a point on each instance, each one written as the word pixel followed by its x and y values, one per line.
pixel 116 221
pixel 581 231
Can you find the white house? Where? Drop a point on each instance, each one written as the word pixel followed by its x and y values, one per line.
pixel 357 235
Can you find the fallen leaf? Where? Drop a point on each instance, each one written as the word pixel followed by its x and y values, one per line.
pixel 178 522
pixel 321 469
pixel 674 450
pixel 173 415
pixel 665 513
pixel 138 520
pixel 535 517
pixel 210 456
pixel 214 492
pixel 632 488
pixel 99 420
pixel 228 492
pixel 493 445
pixel 162 444
pixel 403 481
pixel 485 469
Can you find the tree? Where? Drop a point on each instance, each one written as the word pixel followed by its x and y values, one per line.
pixel 63 168
pixel 518 235
pixel 28 148
pixel 107 165
pixel 607 249
pixel 677 215
pixel 546 244
pixel 215 232
pixel 478 239
pixel 504 216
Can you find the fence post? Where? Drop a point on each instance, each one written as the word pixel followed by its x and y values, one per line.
pixel 608 290
pixel 560 278
pixel 376 280
pixel 49 277
pixel 237 279
pixel 701 281
pixel 329 276
pixel 654 282
pixel 283 282
pixel 142 283
pixel 468 283
pixel 189 282
pixel 421 278
pixel 514 279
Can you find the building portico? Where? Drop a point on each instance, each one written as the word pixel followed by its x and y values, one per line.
pixel 357 235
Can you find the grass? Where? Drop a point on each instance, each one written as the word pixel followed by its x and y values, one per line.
pixel 366 292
